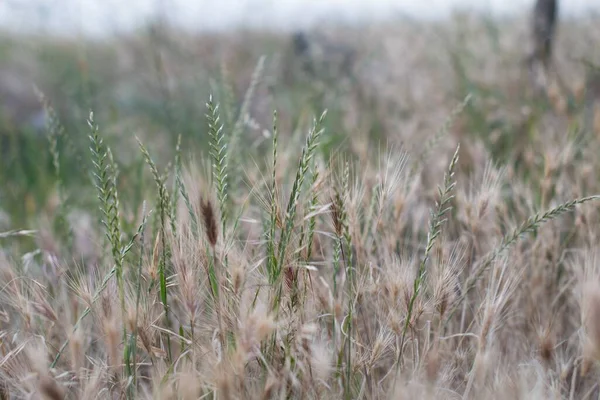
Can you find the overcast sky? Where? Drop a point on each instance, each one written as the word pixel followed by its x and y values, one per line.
pixel 98 17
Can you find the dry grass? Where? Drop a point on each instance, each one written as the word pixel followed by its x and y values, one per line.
pixel 461 264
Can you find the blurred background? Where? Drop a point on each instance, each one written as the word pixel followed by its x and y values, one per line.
pixel 388 71
pixel 101 18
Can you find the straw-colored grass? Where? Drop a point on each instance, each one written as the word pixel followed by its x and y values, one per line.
pixel 300 255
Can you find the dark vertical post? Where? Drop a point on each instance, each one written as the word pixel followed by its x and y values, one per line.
pixel 545 15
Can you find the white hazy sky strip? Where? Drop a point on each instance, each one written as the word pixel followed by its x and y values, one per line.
pixel 99 17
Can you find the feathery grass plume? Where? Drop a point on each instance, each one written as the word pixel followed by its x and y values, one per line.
pixel 391 174
pixel 435 229
pixel 500 288
pixel 105 175
pixel 218 152
pixel 532 224
pixel 131 348
pixel 98 292
pixel 163 207
pixel 308 151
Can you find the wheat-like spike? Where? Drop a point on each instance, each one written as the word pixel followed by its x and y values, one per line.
pixel 218 152
pixel 529 225
pixel 106 184
pixel 312 140
pixel 271 260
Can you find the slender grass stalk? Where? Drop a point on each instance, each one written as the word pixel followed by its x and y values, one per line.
pixel 435 229
pixel 271 257
pixel 163 206
pixel 312 222
pixel 350 272
pixel 343 249
pixel 132 345
pixel 176 189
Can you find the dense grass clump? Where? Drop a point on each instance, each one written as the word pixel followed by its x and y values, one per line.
pixel 265 243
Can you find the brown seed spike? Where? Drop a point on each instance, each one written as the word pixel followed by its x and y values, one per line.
pixel 50 389
pixel 4 393
pixel 210 221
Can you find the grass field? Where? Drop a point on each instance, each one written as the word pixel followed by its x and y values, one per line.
pixel 199 218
